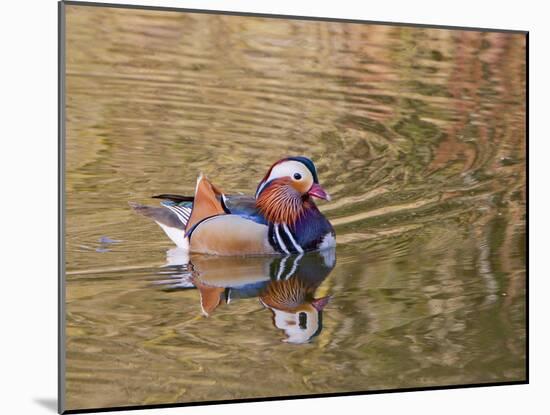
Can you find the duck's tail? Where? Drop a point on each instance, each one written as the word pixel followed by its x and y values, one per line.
pixel 171 217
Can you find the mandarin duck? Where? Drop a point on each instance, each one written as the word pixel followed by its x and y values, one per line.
pixel 281 218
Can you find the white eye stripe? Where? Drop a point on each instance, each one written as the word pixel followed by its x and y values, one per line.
pixel 289 169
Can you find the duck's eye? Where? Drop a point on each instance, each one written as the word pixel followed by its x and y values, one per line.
pixel 302 320
pixel 297 176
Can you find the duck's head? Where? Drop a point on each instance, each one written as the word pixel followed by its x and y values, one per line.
pixel 287 188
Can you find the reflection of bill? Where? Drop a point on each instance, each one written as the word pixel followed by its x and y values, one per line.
pixel 285 285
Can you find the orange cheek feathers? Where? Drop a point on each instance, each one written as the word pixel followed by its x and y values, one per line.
pixel 301 186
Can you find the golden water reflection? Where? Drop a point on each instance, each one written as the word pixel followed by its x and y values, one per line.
pixel 419 136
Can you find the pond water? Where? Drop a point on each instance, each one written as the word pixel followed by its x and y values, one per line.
pixel 419 136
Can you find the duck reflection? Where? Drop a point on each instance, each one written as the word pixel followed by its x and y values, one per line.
pixel 284 285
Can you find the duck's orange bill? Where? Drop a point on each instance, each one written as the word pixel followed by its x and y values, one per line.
pixel 317 191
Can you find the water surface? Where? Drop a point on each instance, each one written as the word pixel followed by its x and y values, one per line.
pixel 419 136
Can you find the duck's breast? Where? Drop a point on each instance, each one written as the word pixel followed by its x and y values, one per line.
pixel 313 231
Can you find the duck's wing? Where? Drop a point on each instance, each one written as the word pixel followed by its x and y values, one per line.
pixel 206 203
pixel 213 229
pixel 241 205
pixel 178 214
pixel 245 206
